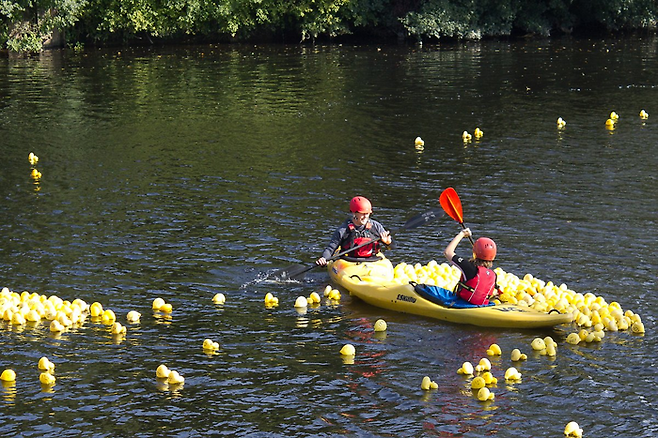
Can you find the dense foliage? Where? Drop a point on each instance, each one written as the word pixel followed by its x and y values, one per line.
pixel 25 25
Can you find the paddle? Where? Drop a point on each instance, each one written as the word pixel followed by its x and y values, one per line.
pixel 415 222
pixel 451 204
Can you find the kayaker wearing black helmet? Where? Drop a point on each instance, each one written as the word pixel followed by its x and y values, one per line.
pixel 358 229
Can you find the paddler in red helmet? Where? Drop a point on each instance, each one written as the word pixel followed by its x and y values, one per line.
pixel 356 230
pixel 478 280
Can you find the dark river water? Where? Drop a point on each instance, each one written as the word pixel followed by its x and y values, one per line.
pixel 184 172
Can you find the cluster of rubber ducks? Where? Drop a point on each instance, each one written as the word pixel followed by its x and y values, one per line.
pixel 587 310
pixel 313 300
pixel 477 134
pixel 35 174
pixel 160 305
pixel 166 376
pixel 610 123
pixel 46 376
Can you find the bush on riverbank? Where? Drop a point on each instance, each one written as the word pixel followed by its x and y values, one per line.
pixel 31 25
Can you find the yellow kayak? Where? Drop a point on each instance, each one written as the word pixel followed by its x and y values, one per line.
pixel 373 282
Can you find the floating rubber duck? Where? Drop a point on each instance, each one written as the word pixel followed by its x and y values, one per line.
pixel 327 290
pixel 478 133
pixel 485 395
pixel 18 319
pixel 47 379
pixel 8 375
pixel 489 378
pixel 637 327
pixel 573 430
pixel 96 309
pixel 162 372
pixel 512 374
pixel 380 325
pixel 466 369
pixel 301 302
pixel 573 339
pixel 494 350
pixel 314 298
pixel 348 350
pixel 108 317
pixel 614 116
pixel 166 308
pixel 644 115
pixel 478 382
pixel 210 345
pixel 46 365
pixel 561 123
pixel 610 124
pixel 158 303
pixel 219 298
pixel 419 144
pixel 334 295
pixel 56 326
pixel 33 159
pixel 428 384
pixel 466 136
pixel 118 329
pixel 133 316
pixel 35 174
pixel 175 379
pixel 517 356
pixel 271 300
pixel 538 344
pixel 483 365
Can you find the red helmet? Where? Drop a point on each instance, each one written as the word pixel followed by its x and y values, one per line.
pixel 485 249
pixel 360 204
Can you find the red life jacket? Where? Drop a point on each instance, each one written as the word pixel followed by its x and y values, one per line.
pixel 478 289
pixel 356 237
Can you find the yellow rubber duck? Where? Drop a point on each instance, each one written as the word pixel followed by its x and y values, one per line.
pixel 517 356
pixel 158 303
pixel 573 338
pixel 610 124
pixel 133 316
pixel 466 369
pixel 46 365
pixel 8 375
pixel 56 326
pixel 489 378
pixel 428 384
pixel 466 136
pixel 485 395
pixel 96 309
pixel 348 350
pixel 166 308
pixel 162 372
pixel 35 174
pixel 644 115
pixel 47 379
pixel 538 344
pixel 271 300
pixel 219 298
pixel 572 429
pixel 483 365
pixel 419 144
pixel 301 302
pixel 494 350
pixel 512 374
pixel 118 329
pixel 175 378
pixel 380 325
pixel 334 295
pixel 33 159
pixel 108 317
pixel 478 382
pixel 561 123
pixel 478 133
pixel 210 345
pixel 637 328
pixel 327 290
pixel 314 298
pixel 614 116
